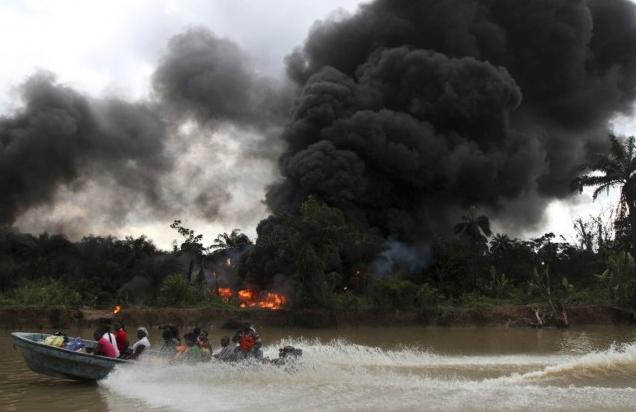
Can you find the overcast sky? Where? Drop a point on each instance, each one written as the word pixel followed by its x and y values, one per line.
pixel 111 48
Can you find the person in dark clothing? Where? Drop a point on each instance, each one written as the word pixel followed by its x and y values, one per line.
pixel 170 342
pixel 194 335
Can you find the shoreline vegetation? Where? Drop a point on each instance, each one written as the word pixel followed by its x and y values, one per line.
pixel 317 260
pixel 512 316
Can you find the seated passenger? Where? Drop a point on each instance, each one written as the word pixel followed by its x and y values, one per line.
pixel 142 345
pixel 104 347
pixel 226 353
pixel 190 352
pixel 204 345
pixel 170 342
pixel 121 337
pixel 175 333
pixel 111 338
pixel 193 336
pixel 248 343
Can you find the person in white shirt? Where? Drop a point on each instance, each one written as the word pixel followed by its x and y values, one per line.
pixel 142 345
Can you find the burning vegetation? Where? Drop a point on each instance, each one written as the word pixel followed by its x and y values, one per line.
pixel 247 298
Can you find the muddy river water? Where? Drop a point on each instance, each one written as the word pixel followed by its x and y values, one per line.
pixel 362 369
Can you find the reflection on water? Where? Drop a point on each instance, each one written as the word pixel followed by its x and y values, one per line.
pixel 367 369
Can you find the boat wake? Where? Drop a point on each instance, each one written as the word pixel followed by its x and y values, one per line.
pixel 340 376
pixel 615 367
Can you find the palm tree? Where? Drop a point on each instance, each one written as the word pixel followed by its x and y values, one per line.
pixel 235 240
pixel 48 254
pixel 192 246
pixel 476 228
pixel 500 243
pixel 618 169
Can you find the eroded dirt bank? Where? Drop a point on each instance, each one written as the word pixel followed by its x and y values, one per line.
pixel 46 318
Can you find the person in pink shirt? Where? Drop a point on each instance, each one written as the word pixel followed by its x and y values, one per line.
pixel 104 347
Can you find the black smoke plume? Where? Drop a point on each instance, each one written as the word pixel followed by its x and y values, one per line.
pixel 61 138
pixel 210 79
pixel 412 111
pixel 168 157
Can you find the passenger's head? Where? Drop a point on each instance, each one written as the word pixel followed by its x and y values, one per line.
pixel 225 340
pixel 117 325
pixel 174 330
pixel 97 334
pixel 166 334
pixel 142 332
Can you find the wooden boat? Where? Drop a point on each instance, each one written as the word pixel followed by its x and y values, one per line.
pixel 63 363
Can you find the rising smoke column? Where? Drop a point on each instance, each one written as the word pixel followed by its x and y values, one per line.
pixel 411 111
pixel 209 83
pixel 210 79
pixel 181 153
pixel 62 138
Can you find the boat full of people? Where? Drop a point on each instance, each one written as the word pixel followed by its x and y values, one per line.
pixel 82 359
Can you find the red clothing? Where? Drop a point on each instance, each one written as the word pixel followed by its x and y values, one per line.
pixel 247 341
pixel 107 348
pixel 121 337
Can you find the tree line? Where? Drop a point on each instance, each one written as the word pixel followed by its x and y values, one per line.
pixel 317 259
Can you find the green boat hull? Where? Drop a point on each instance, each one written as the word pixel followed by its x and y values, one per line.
pixel 62 363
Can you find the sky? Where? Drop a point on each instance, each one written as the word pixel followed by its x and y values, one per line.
pixel 106 62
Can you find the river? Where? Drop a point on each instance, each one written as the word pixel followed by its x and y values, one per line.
pixel 363 369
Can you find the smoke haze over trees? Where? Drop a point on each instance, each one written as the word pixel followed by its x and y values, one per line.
pixel 402 115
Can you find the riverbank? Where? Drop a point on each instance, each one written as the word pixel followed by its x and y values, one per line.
pixel 46 318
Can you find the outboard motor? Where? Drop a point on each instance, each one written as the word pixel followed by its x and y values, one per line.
pixel 288 351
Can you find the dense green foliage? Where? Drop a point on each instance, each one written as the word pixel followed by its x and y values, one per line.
pixel 326 262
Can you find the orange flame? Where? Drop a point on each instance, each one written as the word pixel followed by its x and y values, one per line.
pixel 249 298
pixel 117 309
pixel 225 294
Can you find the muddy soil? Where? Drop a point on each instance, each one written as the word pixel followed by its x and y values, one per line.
pixel 47 318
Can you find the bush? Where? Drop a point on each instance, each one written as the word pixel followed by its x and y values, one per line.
pixel 45 292
pixel 177 292
pixel 476 300
pixel 630 293
pixel 428 296
pixel 350 300
pixel 393 293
